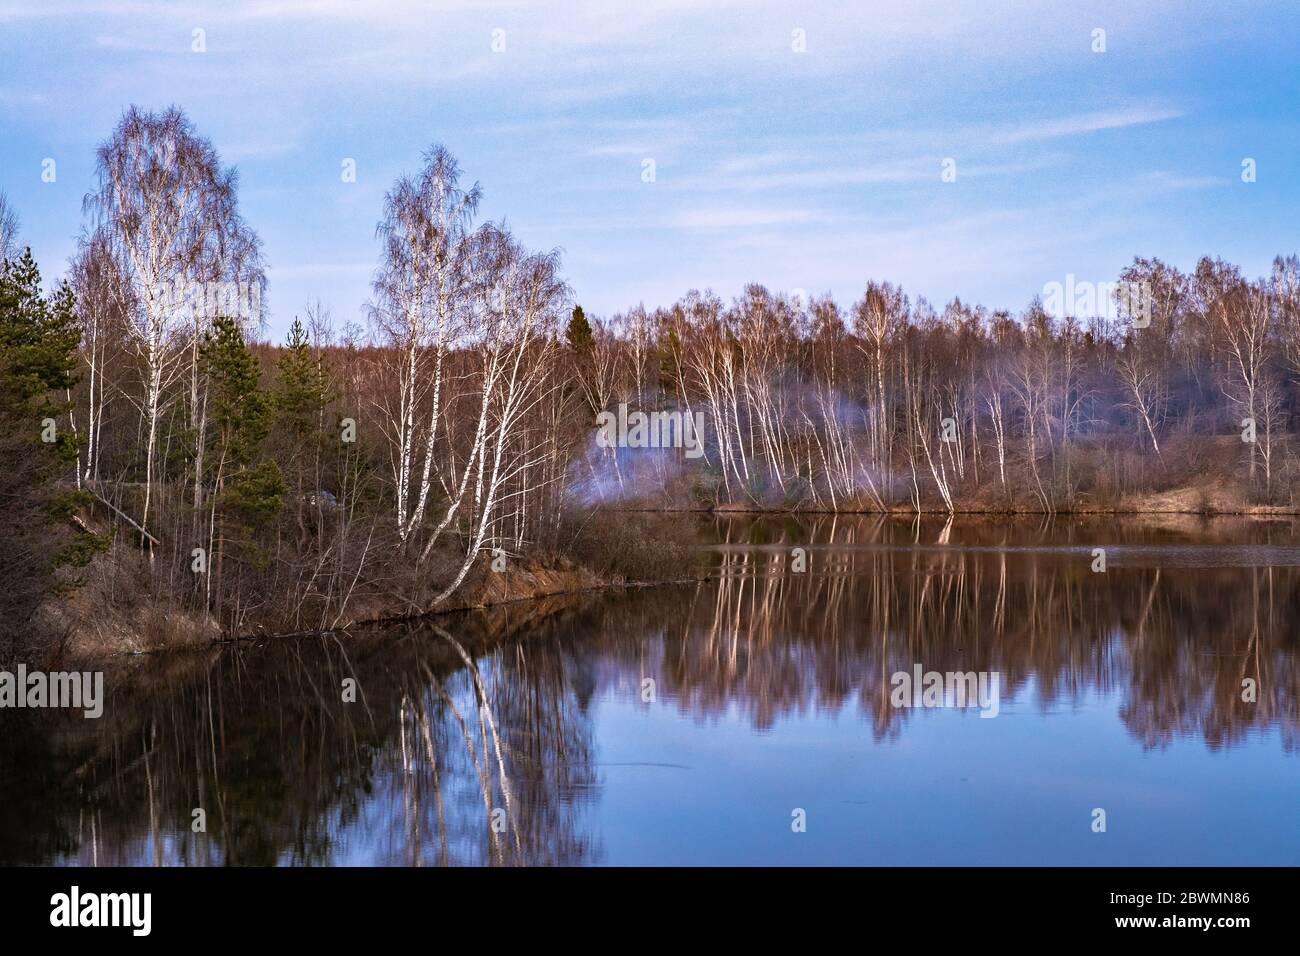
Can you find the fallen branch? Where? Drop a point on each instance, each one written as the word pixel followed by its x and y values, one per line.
pixel 124 516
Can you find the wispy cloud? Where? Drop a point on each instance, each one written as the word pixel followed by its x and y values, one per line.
pixel 22 98
pixel 808 169
pixel 1175 180
pixel 1080 124
pixel 742 217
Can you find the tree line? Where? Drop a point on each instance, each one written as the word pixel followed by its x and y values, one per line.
pixel 893 404
pixel 377 467
pixel 354 471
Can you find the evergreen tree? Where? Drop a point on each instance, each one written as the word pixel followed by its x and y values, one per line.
pixel 582 345
pixel 300 387
pixel 249 491
pixel 238 408
pixel 578 332
pixel 300 395
pixel 669 350
pixel 38 339
pixel 38 448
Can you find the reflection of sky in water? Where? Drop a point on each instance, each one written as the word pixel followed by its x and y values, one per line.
pixel 1118 690
pixel 952 789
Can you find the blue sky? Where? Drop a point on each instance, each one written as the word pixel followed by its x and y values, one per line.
pixel 814 171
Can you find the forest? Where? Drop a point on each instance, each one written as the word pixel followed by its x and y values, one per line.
pixel 172 475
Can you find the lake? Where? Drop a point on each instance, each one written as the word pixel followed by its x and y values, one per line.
pixel 779 712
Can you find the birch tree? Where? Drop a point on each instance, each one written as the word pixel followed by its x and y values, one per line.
pixel 166 209
pixel 422 290
pixel 1241 313
pixel 8 230
pixel 519 311
pixel 878 316
pixel 97 281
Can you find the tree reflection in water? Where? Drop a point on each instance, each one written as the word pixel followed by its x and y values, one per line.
pixel 486 717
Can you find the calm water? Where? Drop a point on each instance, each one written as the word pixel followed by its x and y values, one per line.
pixel 771 693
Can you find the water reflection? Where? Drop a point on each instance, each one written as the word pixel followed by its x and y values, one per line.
pixel 493 739
pixel 1165 626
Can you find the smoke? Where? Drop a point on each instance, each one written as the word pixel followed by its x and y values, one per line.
pixel 817 421
pixel 624 475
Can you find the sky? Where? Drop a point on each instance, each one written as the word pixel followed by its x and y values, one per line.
pixel 797 144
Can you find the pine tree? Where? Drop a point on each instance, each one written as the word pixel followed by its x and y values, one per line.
pixel 38 362
pixel 299 396
pixel 582 345
pixel 578 332
pixel 670 347
pixel 38 338
pixel 249 491
pixel 238 408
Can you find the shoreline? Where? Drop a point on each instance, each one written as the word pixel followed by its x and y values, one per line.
pixel 376 622
pixel 535 584
pixel 397 619
pixel 1246 511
